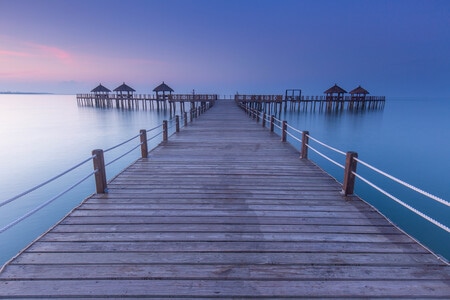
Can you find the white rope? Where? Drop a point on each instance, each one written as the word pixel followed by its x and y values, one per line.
pixel 128 152
pixel 279 127
pixel 46 182
pixel 326 146
pixel 326 157
pixel 440 225
pixel 277 120
pixel 154 136
pixel 121 144
pixel 154 128
pixel 45 204
pixel 293 136
pixel 440 200
pixel 295 129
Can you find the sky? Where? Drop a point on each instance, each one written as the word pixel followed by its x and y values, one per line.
pixel 390 47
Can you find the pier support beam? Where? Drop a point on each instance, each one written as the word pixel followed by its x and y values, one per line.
pixel 165 131
pixel 100 174
pixel 349 178
pixel 177 123
pixel 284 131
pixel 144 146
pixel 305 141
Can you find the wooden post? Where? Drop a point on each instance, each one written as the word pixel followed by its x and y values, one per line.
pixel 305 141
pixel 165 131
pixel 272 122
pixel 185 119
pixel 264 120
pixel 257 117
pixel 284 131
pixel 100 174
pixel 177 123
pixel 349 177
pixel 144 146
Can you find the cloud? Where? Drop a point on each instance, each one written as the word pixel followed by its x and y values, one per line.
pixel 14 53
pixel 40 50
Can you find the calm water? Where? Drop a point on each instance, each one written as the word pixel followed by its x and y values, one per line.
pixel 43 135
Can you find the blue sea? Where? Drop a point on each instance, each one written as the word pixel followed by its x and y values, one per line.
pixel 44 135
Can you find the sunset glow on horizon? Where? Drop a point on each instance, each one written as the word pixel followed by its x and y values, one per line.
pixel 390 47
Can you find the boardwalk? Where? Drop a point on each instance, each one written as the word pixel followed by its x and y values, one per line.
pixel 224 209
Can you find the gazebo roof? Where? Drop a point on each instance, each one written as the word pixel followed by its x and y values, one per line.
pixel 335 90
pixel 163 88
pixel 101 89
pixel 359 90
pixel 124 88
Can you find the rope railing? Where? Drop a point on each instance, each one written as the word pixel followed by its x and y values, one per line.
pixel 46 182
pixel 350 166
pixel 416 189
pixel 121 144
pixel 326 157
pixel 327 146
pixel 99 165
pixel 407 206
pixel 35 210
pixel 123 155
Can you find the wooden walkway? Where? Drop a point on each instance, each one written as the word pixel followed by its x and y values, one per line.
pixel 224 210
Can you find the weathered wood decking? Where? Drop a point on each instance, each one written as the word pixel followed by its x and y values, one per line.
pixel 224 209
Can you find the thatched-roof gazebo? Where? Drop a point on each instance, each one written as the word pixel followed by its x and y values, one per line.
pixel 163 88
pixel 335 90
pixel 358 93
pixel 124 89
pixel 100 89
pixel 124 92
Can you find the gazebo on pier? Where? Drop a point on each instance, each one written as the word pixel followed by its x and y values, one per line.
pixel 162 88
pixel 124 92
pixel 335 94
pixel 101 95
pixel 100 89
pixel 358 95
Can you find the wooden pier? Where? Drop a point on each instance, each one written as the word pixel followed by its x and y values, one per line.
pixel 143 101
pixel 224 209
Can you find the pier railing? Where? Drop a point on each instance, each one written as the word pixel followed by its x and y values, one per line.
pixel 98 159
pixel 349 164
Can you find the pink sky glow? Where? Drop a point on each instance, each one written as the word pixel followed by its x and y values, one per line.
pixel 254 46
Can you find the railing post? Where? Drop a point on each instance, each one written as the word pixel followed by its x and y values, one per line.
pixel 100 174
pixel 257 117
pixel 185 119
pixel 284 131
pixel 272 122
pixel 264 120
pixel 177 123
pixel 305 141
pixel 144 146
pixel 349 178
pixel 165 133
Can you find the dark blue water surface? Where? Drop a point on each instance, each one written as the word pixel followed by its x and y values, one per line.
pixel 43 135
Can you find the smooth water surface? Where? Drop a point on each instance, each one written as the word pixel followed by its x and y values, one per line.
pixel 43 135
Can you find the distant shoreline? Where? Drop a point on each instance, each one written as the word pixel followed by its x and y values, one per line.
pixel 24 93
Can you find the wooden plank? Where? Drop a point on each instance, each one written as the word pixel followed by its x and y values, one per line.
pixel 221 212
pixel 228 288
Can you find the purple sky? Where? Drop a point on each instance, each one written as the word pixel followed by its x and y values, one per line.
pixel 391 47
